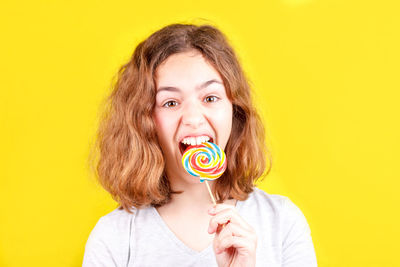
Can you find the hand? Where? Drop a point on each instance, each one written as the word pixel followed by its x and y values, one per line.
pixel 235 241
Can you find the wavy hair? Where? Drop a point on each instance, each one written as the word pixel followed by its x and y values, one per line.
pixel 127 159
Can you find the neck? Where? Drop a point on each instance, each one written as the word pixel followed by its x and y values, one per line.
pixel 195 196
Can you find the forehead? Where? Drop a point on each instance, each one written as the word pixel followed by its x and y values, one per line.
pixel 185 68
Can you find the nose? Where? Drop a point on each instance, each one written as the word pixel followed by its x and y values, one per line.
pixel 193 115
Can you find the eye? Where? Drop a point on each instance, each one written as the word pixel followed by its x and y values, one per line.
pixel 211 98
pixel 170 104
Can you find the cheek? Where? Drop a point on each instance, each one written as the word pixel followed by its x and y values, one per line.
pixel 159 125
pixel 228 114
pixel 164 125
pixel 223 120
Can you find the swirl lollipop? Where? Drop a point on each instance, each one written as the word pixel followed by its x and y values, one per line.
pixel 206 161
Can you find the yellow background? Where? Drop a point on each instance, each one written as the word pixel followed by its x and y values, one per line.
pixel 326 80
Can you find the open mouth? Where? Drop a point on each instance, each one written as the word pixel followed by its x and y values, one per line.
pixel 183 147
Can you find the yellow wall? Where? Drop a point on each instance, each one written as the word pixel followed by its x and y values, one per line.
pixel 326 75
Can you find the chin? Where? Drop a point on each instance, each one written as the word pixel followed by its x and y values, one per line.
pixel 192 179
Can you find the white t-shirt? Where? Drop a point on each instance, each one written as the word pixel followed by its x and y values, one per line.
pixel 143 238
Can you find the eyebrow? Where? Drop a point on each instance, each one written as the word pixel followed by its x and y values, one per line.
pixel 199 87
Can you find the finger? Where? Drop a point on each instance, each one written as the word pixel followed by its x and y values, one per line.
pixel 227 216
pixel 223 209
pixel 218 207
pixel 216 224
pixel 239 243
pixel 235 230
pixel 231 232
pixel 213 211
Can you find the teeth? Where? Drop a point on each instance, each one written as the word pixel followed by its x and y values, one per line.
pixel 199 140
pixel 195 140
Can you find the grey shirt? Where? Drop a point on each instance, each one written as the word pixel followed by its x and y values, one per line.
pixel 144 239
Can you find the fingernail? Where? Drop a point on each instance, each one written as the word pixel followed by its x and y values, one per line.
pixel 212 210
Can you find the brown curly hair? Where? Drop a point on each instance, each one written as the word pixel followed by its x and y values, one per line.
pixel 127 158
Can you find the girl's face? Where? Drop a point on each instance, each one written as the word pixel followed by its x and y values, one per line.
pixel 191 103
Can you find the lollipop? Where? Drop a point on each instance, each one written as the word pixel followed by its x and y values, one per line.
pixel 206 161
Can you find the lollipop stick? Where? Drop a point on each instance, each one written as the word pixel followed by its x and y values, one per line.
pixel 213 200
pixel 209 190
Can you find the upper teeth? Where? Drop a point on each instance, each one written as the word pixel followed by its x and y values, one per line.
pixel 195 140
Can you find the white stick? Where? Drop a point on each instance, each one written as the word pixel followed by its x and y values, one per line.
pixel 209 190
pixel 213 200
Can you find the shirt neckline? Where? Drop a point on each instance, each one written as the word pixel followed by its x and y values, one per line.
pixel 179 242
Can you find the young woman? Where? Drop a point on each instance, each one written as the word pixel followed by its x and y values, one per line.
pixel 184 85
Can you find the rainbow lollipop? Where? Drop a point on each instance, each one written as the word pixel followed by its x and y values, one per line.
pixel 206 161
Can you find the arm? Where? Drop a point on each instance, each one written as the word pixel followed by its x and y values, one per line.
pixel 298 248
pixel 98 250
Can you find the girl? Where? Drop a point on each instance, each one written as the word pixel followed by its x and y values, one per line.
pixel 184 85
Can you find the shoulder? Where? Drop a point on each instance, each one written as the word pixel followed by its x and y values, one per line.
pixel 261 200
pixel 109 239
pixel 112 225
pixel 281 220
pixel 275 209
pixel 117 219
pixel 279 202
pixel 260 195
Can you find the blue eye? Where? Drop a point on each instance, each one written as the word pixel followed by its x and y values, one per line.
pixel 211 98
pixel 167 104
